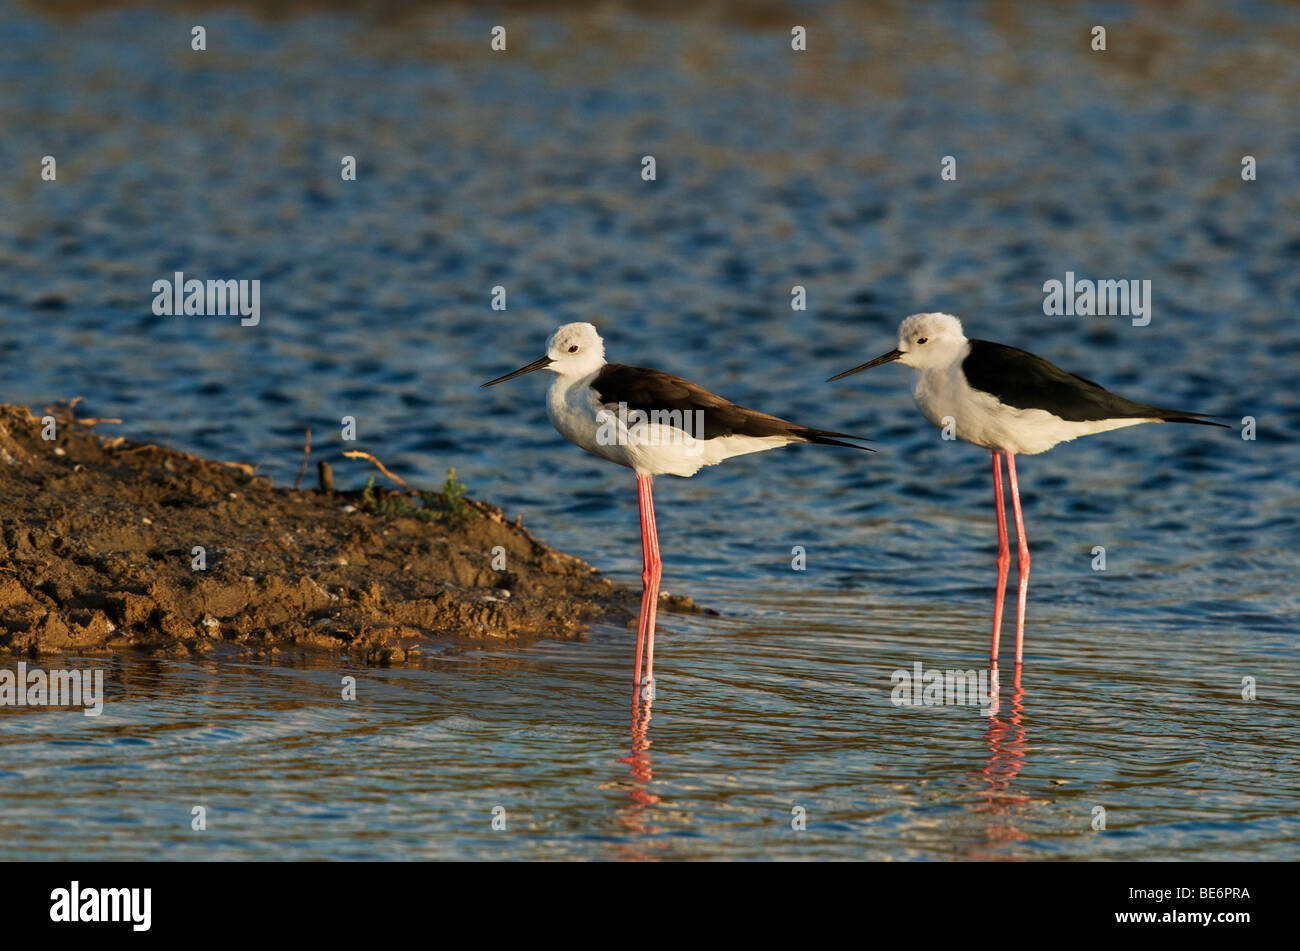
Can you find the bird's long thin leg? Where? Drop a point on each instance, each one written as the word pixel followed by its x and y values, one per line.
pixel 640 623
pixel 1004 555
pixel 1022 566
pixel 650 573
pixel 654 569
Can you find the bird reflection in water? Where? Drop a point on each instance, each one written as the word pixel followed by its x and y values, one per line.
pixel 632 817
pixel 1007 743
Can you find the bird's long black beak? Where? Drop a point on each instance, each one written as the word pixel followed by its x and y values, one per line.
pixel 535 365
pixel 889 357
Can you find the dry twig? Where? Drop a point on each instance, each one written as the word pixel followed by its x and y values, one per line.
pixel 358 454
pixel 306 453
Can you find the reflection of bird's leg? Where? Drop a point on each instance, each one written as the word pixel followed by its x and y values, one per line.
pixel 1022 566
pixel 639 757
pixel 1004 554
pixel 650 573
pixel 1007 741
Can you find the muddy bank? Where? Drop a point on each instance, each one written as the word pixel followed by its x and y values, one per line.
pixel 107 544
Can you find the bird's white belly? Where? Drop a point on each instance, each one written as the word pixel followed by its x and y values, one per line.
pixel 647 447
pixel 947 401
pixel 572 412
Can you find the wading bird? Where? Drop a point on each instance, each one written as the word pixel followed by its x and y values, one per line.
pixel 655 424
pixel 1007 401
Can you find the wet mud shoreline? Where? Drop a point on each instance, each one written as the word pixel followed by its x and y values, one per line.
pixel 107 545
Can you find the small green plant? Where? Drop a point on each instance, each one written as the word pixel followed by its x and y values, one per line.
pixel 393 506
pixel 447 505
pixel 453 498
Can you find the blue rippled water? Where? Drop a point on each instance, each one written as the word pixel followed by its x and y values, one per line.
pixel 775 168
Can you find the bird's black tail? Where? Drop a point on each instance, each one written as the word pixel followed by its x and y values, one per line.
pixel 826 437
pixel 1192 418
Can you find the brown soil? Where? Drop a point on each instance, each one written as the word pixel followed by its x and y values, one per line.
pixel 97 541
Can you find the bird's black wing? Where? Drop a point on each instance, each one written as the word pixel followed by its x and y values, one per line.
pixel 1021 379
pixel 649 390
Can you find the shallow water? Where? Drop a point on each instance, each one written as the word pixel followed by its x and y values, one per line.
pixel 523 170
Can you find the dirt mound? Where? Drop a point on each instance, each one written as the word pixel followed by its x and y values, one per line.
pixel 106 544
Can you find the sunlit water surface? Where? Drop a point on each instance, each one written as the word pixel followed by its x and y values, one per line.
pixel 774 170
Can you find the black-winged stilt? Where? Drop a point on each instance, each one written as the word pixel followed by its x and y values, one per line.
pixel 655 424
pixel 1007 401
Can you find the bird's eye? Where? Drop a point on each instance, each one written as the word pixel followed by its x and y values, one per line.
pixel 922 339
pixel 574 348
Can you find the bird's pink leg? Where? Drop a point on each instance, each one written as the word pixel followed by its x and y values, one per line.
pixel 1022 566
pixel 655 569
pixel 1004 555
pixel 650 573
pixel 640 624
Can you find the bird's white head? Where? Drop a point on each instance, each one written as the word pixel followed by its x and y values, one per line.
pixel 574 350
pixel 930 340
pixel 925 341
